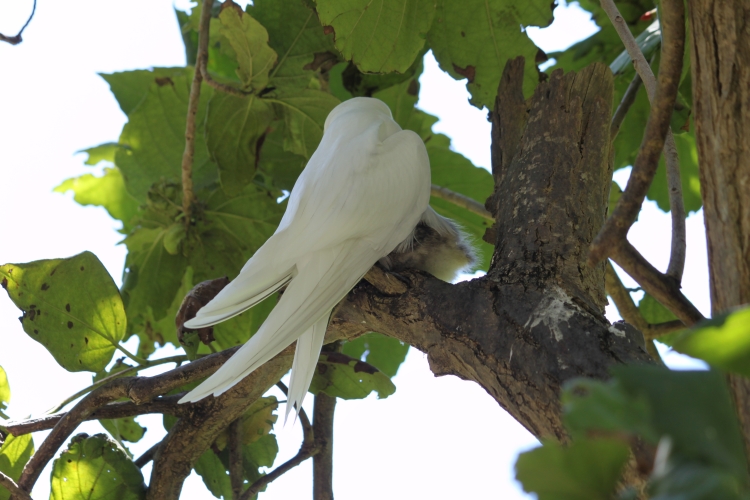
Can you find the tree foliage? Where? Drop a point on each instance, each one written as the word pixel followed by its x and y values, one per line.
pixel 291 62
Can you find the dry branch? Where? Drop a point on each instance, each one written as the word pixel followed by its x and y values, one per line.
pixel 662 104
pixel 10 485
pixel 16 39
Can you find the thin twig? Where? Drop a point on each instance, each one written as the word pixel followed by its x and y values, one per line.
pixel 147 456
pixel 677 209
pixel 166 405
pixel 116 389
pixel 308 449
pixel 616 227
pixel 323 413
pixel 221 87
pixel 188 196
pixel 236 468
pixel 656 284
pixel 123 373
pixel 628 99
pixel 461 200
pixel 10 485
pixel 15 40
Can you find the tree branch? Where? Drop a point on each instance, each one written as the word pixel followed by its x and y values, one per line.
pixel 188 196
pixel 15 40
pixel 166 405
pixel 461 201
pixel 673 38
pixel 116 389
pixel 10 485
pixel 659 286
pixel 147 456
pixel 323 414
pixel 235 458
pixel 627 101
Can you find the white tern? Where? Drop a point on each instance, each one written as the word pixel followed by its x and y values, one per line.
pixel 359 198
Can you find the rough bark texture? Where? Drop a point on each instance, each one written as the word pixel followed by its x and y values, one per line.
pixel 720 58
pixel 323 414
pixel 536 319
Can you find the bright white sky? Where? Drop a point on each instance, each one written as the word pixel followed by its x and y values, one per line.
pixel 439 438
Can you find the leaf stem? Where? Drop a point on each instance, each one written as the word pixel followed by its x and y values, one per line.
pixel 461 200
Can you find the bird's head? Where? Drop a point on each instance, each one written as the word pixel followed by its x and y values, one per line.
pixel 358 109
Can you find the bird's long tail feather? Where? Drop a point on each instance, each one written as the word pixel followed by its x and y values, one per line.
pixel 322 280
pixel 305 360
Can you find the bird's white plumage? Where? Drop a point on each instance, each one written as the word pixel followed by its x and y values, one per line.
pixel 360 195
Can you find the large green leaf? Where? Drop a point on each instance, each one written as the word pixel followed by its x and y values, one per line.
pixel 384 353
pixel 14 454
pixel 71 306
pixel 723 342
pixel 249 41
pixel 131 87
pixel 107 191
pixel 473 39
pixel 102 152
pixel 281 165
pixel 4 392
pixel 654 313
pixel 343 377
pixel 155 135
pixel 694 409
pixel 214 474
pixel 305 112
pixel 587 469
pixel 694 481
pixel 592 406
pixel 298 38
pixel 383 36
pixel 94 467
pixel 235 127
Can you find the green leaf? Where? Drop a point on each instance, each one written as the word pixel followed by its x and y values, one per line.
pixel 379 37
pixel 238 330
pixel 281 165
pixel 260 453
pixel 347 81
pixel 653 312
pixel 94 467
pixel 384 353
pixel 473 39
pixel 14 454
pixel 305 113
pixel 4 392
pixel 693 481
pixel 107 191
pixel 724 342
pixel 102 152
pixel 340 376
pixel 296 35
pixel 124 429
pixel 249 41
pixel 235 127
pixel 214 474
pixel 648 41
pixel 155 135
pixel 71 306
pixel 257 421
pixel 588 469
pixel 694 409
pixel 131 87
pixel 603 407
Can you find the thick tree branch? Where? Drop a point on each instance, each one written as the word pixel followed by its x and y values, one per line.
pixel 10 485
pixel 323 414
pixel 673 37
pixel 15 40
pixel 147 456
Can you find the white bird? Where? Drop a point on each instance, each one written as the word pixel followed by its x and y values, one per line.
pixel 360 197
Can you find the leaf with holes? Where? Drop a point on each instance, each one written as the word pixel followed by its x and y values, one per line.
pixel 381 36
pixel 71 306
pixel 94 467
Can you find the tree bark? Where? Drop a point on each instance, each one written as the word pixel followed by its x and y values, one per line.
pixel 323 413
pixel 720 60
